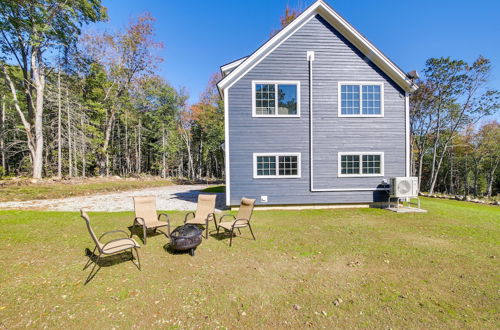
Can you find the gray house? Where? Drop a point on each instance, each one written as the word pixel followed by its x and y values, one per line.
pixel 316 115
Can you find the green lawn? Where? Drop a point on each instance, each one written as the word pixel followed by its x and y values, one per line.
pixel 61 189
pixel 434 270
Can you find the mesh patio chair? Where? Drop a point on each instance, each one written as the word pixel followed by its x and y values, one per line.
pixel 111 247
pixel 241 220
pixel 205 212
pixel 147 218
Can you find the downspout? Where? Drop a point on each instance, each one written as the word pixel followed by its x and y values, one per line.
pixel 310 59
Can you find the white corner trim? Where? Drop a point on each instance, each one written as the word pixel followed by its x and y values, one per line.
pixel 226 147
pixel 277 154
pixel 407 130
pixel 360 84
pixel 344 28
pixel 276 83
pixel 360 154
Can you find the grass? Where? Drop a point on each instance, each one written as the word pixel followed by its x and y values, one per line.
pixel 215 189
pixel 434 270
pixel 59 189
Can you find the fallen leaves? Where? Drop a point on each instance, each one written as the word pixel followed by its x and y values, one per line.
pixel 354 264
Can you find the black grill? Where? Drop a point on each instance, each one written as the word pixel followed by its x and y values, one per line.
pixel 186 237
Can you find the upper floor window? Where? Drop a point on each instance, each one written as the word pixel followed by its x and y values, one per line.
pixel 361 99
pixel 276 165
pixel 361 164
pixel 276 99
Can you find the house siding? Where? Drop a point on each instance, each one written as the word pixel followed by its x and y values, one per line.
pixel 336 59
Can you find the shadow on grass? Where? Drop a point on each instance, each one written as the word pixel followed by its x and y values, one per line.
pixel 107 261
pixel 168 248
pixel 226 235
pixel 111 260
pixel 138 231
pixel 192 196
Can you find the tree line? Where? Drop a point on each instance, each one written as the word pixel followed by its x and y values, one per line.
pixel 86 104
pixel 455 149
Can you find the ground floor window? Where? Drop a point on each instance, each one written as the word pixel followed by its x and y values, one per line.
pixel 276 165
pixel 361 164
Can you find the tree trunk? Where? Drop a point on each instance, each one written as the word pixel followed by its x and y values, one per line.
pixel 420 167
pixel 103 162
pixel 466 188
pixel 26 124
pixel 451 171
pixel 39 82
pixel 164 154
pixel 139 151
pixel 2 138
pixel 59 128
pixel 75 154
pixel 83 146
pixel 70 157
pixel 491 177
pixel 127 149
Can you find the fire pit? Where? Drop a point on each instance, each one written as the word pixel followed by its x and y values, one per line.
pixel 186 237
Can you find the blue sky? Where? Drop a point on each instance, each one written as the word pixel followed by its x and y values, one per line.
pixel 200 36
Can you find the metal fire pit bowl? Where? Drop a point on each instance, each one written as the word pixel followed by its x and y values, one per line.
pixel 186 237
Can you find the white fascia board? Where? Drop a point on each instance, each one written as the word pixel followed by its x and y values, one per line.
pixel 227 68
pixel 339 23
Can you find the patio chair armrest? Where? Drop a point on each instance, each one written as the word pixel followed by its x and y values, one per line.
pixel 168 221
pixel 226 215
pixel 241 219
pixel 140 221
pixel 113 231
pixel 165 215
pixel 186 217
pixel 212 216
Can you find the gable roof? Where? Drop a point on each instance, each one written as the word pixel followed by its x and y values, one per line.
pixel 233 71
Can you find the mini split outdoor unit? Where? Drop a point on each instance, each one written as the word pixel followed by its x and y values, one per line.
pixel 404 187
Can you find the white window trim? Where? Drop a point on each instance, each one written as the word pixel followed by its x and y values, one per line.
pixel 276 154
pixel 276 82
pixel 360 154
pixel 360 84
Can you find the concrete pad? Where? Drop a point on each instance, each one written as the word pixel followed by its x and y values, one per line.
pixel 406 210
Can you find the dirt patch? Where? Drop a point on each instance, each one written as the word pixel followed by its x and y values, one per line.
pixel 175 197
pixel 425 241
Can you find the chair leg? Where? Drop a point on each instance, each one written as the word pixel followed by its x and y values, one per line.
pixel 138 259
pixel 91 276
pixel 144 234
pixel 215 222
pixel 90 259
pixel 251 231
pixel 239 231
pixel 231 238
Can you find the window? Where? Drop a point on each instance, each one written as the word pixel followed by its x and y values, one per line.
pixel 361 164
pixel 282 165
pixel 361 99
pixel 276 98
pixel 371 164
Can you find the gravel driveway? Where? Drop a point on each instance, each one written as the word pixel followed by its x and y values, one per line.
pixel 176 197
